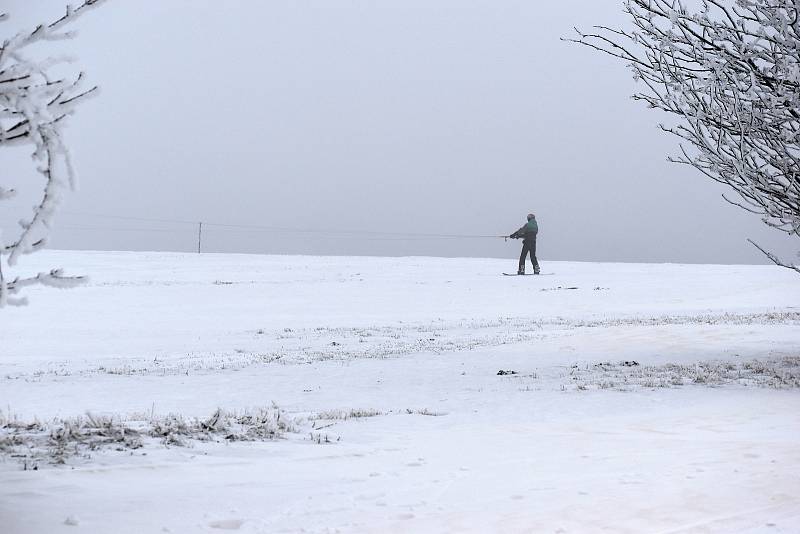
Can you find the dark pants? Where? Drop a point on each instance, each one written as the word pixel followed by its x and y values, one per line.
pixel 528 246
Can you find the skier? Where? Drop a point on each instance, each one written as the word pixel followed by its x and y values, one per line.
pixel 528 235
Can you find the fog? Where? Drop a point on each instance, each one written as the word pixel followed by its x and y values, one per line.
pixel 355 125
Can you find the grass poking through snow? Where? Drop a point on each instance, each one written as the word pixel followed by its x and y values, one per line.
pixel 59 440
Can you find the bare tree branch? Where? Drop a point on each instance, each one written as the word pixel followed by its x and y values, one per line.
pixel 729 71
pixel 33 107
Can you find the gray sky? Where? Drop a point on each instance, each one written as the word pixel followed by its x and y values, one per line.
pixel 414 116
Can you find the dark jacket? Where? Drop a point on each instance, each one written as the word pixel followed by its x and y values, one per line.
pixel 528 231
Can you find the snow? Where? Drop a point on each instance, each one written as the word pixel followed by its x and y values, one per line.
pixel 573 441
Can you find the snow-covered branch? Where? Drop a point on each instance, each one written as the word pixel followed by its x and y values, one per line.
pixel 729 71
pixel 33 109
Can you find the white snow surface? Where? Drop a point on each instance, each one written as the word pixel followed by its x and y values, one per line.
pixel 573 441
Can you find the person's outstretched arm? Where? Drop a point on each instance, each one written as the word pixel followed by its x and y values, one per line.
pixel 519 234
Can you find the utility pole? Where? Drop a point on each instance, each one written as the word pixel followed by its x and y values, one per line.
pixel 199 237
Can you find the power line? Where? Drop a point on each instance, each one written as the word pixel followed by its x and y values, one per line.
pixel 127 218
pixel 255 227
pixel 115 229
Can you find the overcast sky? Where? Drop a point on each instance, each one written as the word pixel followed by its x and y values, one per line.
pixel 419 116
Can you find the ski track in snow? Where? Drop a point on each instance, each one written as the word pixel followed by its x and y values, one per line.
pixel 330 343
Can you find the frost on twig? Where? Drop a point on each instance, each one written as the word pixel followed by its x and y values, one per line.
pixel 729 72
pixel 774 259
pixel 33 108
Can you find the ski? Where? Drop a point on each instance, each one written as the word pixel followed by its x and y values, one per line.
pixel 528 274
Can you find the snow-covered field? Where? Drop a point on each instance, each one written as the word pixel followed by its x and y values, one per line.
pixel 307 394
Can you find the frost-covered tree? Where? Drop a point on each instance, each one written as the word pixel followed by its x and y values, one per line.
pixel 730 72
pixel 34 104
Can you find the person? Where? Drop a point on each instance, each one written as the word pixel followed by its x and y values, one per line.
pixel 528 235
